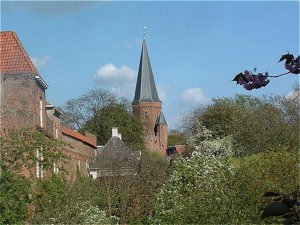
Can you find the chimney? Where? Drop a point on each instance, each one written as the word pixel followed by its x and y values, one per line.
pixel 115 133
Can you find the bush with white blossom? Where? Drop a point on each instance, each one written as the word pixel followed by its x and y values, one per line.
pixel 199 186
pixel 213 187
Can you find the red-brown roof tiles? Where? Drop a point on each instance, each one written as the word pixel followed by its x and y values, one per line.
pixel 13 57
pixel 78 136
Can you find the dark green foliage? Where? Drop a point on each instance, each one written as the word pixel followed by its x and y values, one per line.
pixel 61 201
pixel 15 197
pixel 286 206
pixel 199 190
pixel 256 124
pixel 116 115
pixel 260 173
pixel 51 200
pixel 131 198
pixel 220 117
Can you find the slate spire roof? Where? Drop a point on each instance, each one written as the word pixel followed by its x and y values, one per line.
pixel 161 119
pixel 145 90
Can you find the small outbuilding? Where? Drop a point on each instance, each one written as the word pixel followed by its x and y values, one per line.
pixel 115 159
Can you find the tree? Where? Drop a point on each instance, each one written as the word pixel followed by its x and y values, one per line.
pixel 15 198
pixel 259 173
pixel 188 122
pixel 175 137
pixel 78 111
pixel 197 191
pixel 131 198
pixel 213 187
pixel 255 124
pixel 116 115
pixel 18 154
pixel 63 202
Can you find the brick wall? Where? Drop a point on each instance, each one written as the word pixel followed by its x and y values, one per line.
pixel 23 104
pixel 21 96
pixel 79 154
pixel 180 149
pixel 148 112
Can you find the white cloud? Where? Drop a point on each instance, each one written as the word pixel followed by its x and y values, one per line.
pixel 110 74
pixel 122 81
pixel 192 96
pixel 40 62
pixel 119 80
pixel 136 42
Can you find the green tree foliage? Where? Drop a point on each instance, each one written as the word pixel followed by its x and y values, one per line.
pixel 131 198
pixel 212 187
pixel 116 115
pixel 61 202
pixel 123 199
pixel 15 192
pixel 197 191
pixel 255 124
pixel 260 173
pixel 18 153
pixel 175 137
pixel 77 111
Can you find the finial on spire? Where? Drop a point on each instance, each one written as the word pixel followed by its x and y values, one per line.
pixel 144 33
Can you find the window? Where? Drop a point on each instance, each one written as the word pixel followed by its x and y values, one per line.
pixel 39 166
pixel 55 167
pixel 41 112
pixel 56 132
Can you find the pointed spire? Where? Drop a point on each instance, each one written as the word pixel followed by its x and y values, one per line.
pixel 144 33
pixel 145 90
pixel 161 119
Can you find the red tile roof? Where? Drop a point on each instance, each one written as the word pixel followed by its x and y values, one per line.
pixel 13 57
pixel 78 136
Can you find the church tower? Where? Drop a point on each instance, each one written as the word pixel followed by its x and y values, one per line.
pixel 146 106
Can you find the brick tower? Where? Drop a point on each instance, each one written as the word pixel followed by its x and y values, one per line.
pixel 146 106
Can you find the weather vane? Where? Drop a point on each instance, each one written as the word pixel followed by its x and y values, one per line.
pixel 144 33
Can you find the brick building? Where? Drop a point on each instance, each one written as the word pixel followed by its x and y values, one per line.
pixel 23 105
pixel 147 106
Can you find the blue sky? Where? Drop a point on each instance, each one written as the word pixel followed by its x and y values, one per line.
pixel 196 48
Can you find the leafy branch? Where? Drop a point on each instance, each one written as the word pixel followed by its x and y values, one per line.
pixel 249 80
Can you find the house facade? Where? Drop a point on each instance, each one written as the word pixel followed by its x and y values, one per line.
pixel 23 105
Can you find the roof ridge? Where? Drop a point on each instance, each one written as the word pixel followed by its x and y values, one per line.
pixel 78 136
pixel 26 56
pixel 14 57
